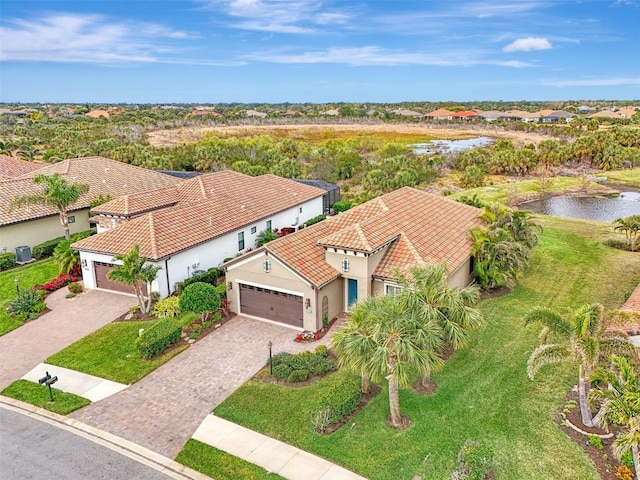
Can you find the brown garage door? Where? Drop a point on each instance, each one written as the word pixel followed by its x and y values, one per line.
pixel 102 281
pixel 270 304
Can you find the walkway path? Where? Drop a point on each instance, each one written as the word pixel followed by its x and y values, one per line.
pixel 163 410
pixel 72 381
pixel 69 320
pixel 272 455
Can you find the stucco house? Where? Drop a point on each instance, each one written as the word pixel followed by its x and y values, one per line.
pixel 316 273
pixel 31 225
pixel 193 225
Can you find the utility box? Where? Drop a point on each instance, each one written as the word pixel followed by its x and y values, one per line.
pixel 23 254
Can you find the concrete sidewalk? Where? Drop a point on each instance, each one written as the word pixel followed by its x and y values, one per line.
pixel 272 455
pixel 87 386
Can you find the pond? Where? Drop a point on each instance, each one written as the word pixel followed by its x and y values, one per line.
pixel 603 209
pixel 450 146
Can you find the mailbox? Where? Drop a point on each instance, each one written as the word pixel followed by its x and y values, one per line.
pixel 48 380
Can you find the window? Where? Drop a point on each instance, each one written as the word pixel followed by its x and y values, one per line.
pixel 267 266
pixel 345 265
pixel 300 209
pixel 240 241
pixel 392 289
pixel 72 219
pixel 253 229
pixel 269 225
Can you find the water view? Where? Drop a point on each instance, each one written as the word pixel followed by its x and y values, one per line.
pixel 450 146
pixel 604 209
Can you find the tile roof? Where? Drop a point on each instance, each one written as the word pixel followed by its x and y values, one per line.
pixel 103 175
pixel 633 305
pixel 208 206
pixel 418 226
pixel 441 112
pixel 11 167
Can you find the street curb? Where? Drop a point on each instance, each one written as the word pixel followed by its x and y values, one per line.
pixel 113 442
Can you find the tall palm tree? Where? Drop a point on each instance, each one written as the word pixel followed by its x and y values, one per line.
pixel 620 397
pixel 426 290
pixel 136 272
pixel 385 340
pixel 585 339
pixel 57 193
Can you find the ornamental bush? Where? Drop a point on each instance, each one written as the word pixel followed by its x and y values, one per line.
pixel 322 350
pixel 26 305
pixel 7 260
pixel 298 376
pixel 342 206
pixel 282 370
pixel 314 220
pixel 158 337
pixel 342 398
pixel 199 297
pixel 210 276
pixel 45 249
pixel 167 308
pixel 58 282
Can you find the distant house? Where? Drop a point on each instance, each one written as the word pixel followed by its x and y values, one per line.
pixel 465 115
pixel 332 113
pixel 440 114
pixel 31 225
pixel 193 225
pixel 255 113
pixel 491 115
pixel 98 114
pixel 403 112
pixel 293 113
pixel 605 114
pixel 627 112
pixel 14 113
pixel 522 116
pixel 316 273
pixel 201 113
pixel 557 116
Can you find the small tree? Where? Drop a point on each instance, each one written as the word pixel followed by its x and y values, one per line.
pixel 630 226
pixel 136 272
pixel 200 298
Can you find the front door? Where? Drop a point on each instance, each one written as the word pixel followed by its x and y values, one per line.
pixel 352 292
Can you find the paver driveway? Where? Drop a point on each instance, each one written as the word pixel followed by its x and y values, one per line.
pixel 164 409
pixel 69 320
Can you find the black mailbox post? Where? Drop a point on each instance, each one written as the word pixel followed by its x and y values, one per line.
pixel 48 380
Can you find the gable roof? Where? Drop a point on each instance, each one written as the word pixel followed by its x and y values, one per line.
pixel 418 227
pixel 441 112
pixel 103 175
pixel 632 305
pixel 11 167
pixel 207 207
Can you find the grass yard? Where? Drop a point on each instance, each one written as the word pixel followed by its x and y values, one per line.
pixel 110 353
pixel 27 275
pixel 220 465
pixel 38 395
pixel 483 392
pixel 630 176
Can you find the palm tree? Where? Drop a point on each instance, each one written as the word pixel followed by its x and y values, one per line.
pixel 426 290
pixel 620 397
pixel 631 227
pixel 136 272
pixel 500 260
pixel 385 340
pixel 585 339
pixel 65 257
pixel 57 193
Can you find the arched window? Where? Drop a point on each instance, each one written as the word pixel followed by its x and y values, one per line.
pixel 325 310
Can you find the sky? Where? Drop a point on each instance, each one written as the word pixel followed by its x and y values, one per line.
pixel 318 51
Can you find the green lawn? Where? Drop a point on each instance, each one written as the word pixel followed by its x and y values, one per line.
pixel 483 391
pixel 220 465
pixel 630 176
pixel 27 275
pixel 38 395
pixel 110 353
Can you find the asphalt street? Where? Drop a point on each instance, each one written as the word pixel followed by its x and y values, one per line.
pixel 35 450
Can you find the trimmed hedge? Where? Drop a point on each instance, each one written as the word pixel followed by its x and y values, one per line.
pixel 314 220
pixel 46 249
pixel 7 260
pixel 342 398
pixel 158 337
pixel 210 276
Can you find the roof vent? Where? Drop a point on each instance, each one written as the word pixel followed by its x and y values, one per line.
pixel 241 207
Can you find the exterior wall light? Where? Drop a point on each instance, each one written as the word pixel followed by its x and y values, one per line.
pixel 229 285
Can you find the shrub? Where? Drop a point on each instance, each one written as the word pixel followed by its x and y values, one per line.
pixel 210 276
pixel 80 235
pixel 322 350
pixel 282 370
pixel 596 441
pixel 342 398
pixel 26 305
pixel 314 220
pixel 323 366
pixel 75 287
pixel 298 376
pixel 158 337
pixel 627 459
pixel 475 461
pixel 167 308
pixel 321 421
pixel 222 291
pixel 7 260
pixel 58 282
pixel 279 358
pixel 199 297
pixel 472 177
pixel 265 237
pixel 624 473
pixel 46 249
pixel 342 206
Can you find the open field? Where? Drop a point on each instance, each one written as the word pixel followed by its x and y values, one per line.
pixel 310 132
pixel 483 391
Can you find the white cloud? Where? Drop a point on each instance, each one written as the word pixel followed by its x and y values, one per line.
pixel 528 44
pixel 78 38
pixel 377 56
pixel 595 82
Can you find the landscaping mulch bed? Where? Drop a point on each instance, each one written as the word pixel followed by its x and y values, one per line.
pixel 493 293
pixel 263 376
pixel 603 460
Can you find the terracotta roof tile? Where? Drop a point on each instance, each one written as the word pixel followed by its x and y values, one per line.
pixel 633 305
pixel 417 225
pixel 11 167
pixel 103 175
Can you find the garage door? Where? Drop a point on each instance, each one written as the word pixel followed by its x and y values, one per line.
pixel 102 281
pixel 270 304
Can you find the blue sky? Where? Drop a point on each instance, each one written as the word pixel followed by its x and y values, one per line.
pixel 319 51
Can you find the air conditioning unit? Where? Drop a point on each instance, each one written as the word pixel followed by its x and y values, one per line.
pixel 23 254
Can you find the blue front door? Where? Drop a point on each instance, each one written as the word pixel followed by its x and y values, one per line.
pixel 352 291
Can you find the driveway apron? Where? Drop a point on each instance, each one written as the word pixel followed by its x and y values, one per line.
pixel 163 410
pixel 69 320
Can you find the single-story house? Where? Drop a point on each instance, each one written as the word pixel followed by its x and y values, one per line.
pixel 557 116
pixel 194 225
pixel 314 274
pixel 440 114
pixel 31 225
